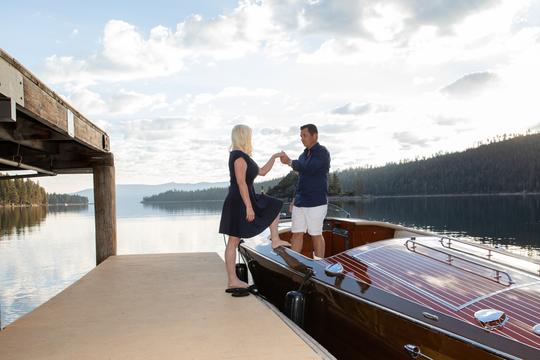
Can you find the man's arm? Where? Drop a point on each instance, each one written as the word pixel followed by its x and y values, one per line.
pixel 316 163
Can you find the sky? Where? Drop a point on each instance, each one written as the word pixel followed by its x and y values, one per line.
pixel 384 80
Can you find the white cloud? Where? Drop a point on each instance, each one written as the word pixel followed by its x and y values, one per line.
pixel 360 109
pixel 368 75
pixel 121 102
pixel 385 21
pixel 128 55
pixel 470 84
pixel 347 32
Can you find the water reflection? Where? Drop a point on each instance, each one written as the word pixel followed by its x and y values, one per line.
pixel 67 209
pixel 187 207
pixel 20 219
pixel 17 220
pixel 38 261
pixel 495 219
pixel 43 250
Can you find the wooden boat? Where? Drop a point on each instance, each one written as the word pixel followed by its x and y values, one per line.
pixel 386 291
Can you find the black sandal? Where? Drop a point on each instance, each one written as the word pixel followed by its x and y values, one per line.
pixel 240 293
pixel 237 290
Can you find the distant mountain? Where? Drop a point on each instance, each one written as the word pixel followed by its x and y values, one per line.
pixel 135 192
pixel 212 193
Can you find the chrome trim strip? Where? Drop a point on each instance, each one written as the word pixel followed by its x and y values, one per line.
pixel 487 248
pixel 408 317
pixel 430 316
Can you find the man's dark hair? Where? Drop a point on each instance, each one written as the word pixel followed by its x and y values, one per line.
pixel 311 128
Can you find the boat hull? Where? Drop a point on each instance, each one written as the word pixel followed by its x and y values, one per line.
pixel 350 326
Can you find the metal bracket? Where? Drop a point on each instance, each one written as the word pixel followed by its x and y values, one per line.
pixel 11 92
pixel 70 123
pixel 308 274
pixel 415 352
pixel 106 143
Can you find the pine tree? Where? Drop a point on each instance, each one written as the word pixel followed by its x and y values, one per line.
pixel 334 185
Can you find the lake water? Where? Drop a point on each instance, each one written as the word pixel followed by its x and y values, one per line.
pixel 42 251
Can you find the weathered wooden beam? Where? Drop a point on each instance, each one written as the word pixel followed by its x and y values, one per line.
pixel 44 105
pixel 72 171
pixel 9 149
pixel 105 209
pixel 69 156
pixel 81 166
pixel 27 129
pixel 23 166
pixel 23 176
pixel 9 133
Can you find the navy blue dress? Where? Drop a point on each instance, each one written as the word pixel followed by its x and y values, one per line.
pixel 233 217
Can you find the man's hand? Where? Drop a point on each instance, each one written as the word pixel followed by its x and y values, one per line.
pixel 278 155
pixel 285 158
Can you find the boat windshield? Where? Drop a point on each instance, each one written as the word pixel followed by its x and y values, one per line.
pixel 333 211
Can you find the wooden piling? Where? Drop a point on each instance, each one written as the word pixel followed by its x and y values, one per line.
pixel 105 209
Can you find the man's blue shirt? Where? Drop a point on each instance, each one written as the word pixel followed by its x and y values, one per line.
pixel 313 166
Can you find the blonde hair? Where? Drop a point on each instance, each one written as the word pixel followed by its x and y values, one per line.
pixel 241 139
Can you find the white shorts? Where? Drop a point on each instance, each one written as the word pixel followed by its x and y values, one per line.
pixel 308 219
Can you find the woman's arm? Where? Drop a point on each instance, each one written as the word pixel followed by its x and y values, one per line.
pixel 240 168
pixel 268 166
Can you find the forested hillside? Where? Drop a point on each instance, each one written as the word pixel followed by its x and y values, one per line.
pixel 202 195
pixel 61 199
pixel 21 192
pixel 501 166
pixel 505 166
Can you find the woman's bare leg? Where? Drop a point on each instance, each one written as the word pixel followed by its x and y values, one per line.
pixel 230 263
pixel 274 235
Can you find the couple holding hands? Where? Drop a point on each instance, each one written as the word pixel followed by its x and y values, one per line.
pixel 246 214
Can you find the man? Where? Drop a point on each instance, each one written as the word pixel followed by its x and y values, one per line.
pixel 310 201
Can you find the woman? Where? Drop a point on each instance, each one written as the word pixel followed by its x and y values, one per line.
pixel 246 214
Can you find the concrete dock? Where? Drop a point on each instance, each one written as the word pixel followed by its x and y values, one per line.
pixel 170 306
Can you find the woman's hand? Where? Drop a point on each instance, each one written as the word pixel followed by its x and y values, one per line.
pixel 268 166
pixel 250 214
pixel 277 155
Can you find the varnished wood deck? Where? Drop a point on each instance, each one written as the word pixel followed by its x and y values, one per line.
pixel 169 306
pixel 446 288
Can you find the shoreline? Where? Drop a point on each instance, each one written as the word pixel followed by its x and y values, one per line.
pixel 177 201
pixel 36 205
pixel 368 197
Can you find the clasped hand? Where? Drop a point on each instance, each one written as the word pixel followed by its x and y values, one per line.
pixel 283 157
